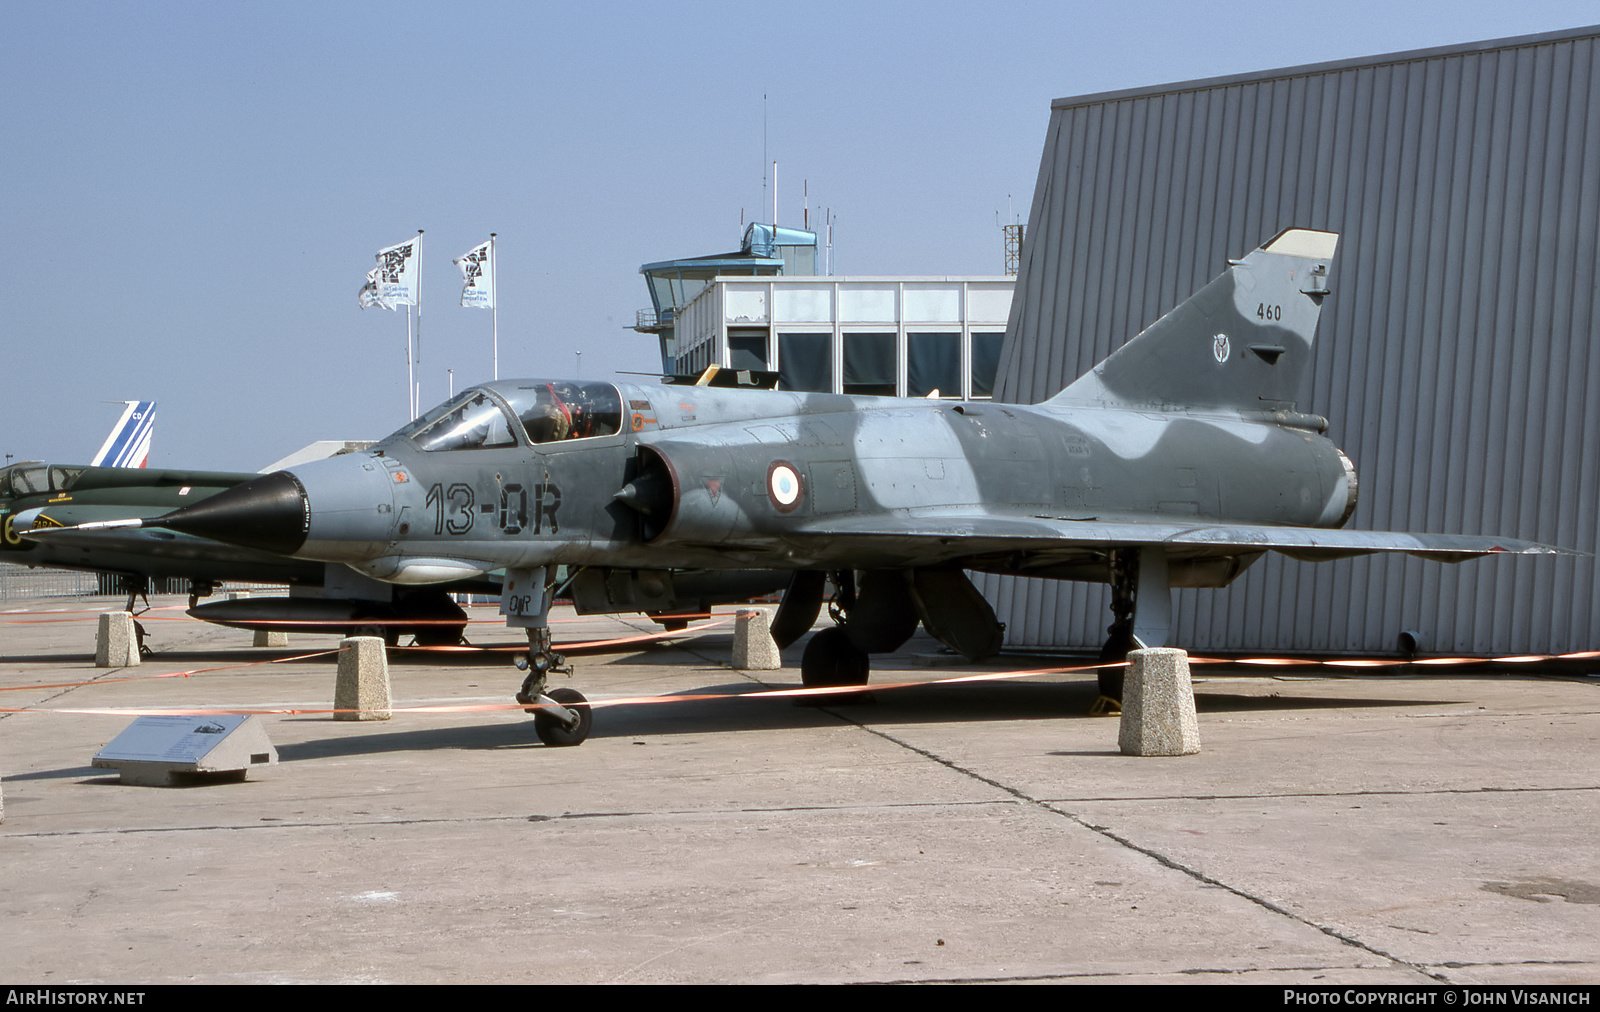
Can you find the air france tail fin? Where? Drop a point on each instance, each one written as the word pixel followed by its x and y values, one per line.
pixel 1241 343
pixel 129 442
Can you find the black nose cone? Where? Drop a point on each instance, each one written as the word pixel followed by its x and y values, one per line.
pixel 269 513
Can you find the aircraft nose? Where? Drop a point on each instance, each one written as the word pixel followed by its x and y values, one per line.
pixel 269 513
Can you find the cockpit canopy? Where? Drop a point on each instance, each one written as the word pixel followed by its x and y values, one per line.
pixel 32 478
pixel 543 411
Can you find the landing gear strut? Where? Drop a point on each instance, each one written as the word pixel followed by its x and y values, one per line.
pixel 137 587
pixel 877 611
pixel 197 590
pixel 561 716
pixel 1141 612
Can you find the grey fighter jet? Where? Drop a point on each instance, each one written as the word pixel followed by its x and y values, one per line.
pixel 1176 462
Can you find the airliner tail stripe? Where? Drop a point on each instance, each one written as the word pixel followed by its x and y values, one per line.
pixel 128 445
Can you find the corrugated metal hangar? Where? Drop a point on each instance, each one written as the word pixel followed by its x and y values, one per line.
pixel 1456 358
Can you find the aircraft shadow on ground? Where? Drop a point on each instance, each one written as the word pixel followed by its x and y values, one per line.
pixel 682 713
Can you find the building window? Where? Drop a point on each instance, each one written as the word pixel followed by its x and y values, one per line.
pixel 985 360
pixel 869 364
pixel 805 362
pixel 747 349
pixel 933 362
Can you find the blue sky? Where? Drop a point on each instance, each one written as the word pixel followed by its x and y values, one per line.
pixel 191 193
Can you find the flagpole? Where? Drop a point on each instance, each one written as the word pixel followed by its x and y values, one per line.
pixel 494 305
pixel 416 393
pixel 411 398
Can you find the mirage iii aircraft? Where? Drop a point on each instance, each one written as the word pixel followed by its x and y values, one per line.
pixel 1176 462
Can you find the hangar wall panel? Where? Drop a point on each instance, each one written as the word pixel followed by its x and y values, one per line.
pixel 1456 358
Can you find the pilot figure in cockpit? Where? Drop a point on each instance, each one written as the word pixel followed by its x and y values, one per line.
pixel 549 420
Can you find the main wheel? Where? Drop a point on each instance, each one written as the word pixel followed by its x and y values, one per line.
pixel 440 635
pixel 556 734
pixel 1116 649
pixel 832 660
pixel 389 634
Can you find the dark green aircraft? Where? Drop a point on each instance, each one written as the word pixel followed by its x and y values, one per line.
pixel 324 598
pixel 42 496
pixel 1176 462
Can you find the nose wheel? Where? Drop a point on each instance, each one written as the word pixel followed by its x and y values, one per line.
pixel 561 717
pixel 562 705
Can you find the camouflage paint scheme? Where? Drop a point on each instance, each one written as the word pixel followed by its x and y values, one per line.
pixel 1177 461
pixel 1185 438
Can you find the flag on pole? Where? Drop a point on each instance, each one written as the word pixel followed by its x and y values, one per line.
pixel 369 291
pixel 477 275
pixel 394 281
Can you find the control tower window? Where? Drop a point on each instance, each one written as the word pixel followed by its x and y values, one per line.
pixel 747 350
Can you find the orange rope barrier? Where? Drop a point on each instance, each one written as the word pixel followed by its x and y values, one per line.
pixel 170 674
pixel 600 704
pixel 793 693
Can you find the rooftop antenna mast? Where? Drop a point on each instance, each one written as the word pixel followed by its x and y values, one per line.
pixel 828 222
pixel 1013 231
pixel 763 149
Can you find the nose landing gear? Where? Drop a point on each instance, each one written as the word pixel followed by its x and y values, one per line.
pixel 562 716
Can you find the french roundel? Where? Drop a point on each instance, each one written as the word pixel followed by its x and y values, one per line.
pixel 784 487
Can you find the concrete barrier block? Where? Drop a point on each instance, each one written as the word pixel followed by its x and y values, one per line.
pixel 753 646
pixel 1158 716
pixel 116 644
pixel 269 638
pixel 362 691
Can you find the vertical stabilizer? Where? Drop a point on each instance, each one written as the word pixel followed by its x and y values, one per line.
pixel 1241 343
pixel 129 442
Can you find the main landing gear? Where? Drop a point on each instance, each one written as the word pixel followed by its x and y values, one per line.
pixel 137 587
pixel 877 611
pixel 1141 615
pixel 561 716
pixel 833 658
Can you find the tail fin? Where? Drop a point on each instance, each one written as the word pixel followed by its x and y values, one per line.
pixel 1241 343
pixel 129 442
